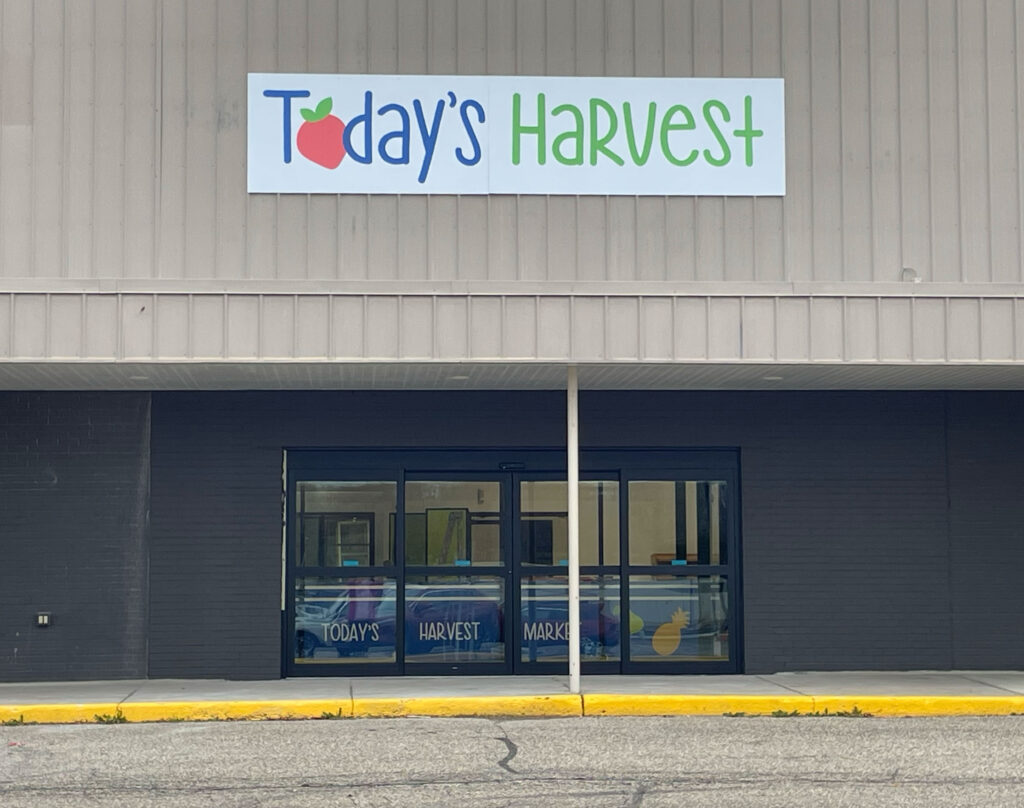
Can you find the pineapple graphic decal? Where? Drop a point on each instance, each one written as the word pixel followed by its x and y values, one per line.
pixel 668 635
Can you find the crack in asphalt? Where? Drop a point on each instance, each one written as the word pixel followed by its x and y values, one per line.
pixel 510 745
pixel 513 750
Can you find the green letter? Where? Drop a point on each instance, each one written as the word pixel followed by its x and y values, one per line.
pixel 747 132
pixel 667 126
pixel 573 134
pixel 599 144
pixel 652 113
pixel 726 154
pixel 518 129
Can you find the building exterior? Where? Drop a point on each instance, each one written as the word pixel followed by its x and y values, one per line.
pixel 252 435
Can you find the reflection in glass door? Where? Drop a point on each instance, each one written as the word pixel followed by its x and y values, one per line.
pixel 543 628
pixel 455 575
pixel 678 574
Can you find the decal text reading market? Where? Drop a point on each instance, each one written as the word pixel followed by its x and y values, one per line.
pixel 515 135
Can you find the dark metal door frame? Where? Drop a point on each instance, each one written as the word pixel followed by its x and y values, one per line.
pixel 510 467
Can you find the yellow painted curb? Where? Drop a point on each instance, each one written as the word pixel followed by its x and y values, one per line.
pixel 56 713
pixel 922 705
pixel 236 710
pixel 649 704
pixel 465 706
pixel 556 705
pixel 609 704
pixel 175 711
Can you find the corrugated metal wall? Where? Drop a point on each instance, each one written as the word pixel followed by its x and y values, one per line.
pixel 122 141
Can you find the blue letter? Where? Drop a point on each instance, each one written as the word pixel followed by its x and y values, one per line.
pixel 402 135
pixel 367 122
pixel 459 154
pixel 287 96
pixel 429 136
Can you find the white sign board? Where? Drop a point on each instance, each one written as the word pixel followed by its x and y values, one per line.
pixel 359 134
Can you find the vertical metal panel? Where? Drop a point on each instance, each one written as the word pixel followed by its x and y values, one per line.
pixel 141 120
pixel 895 330
pixel 725 329
pixel 738 213
pixel 48 165
pixel 861 318
pixel 1003 140
pixel 623 328
pixel 312 331
pixel 137 326
pixel 657 332
pixel 442 235
pixel 796 68
pixel 759 328
pixel 929 329
pixel 794 323
pixel 485 327
pixel 452 328
pixel 912 23
pixel 769 255
pixel 554 319
pixel 855 134
pixel 885 142
pixel 973 143
pixel 964 330
pixel 172 326
pixel 519 327
pixel 943 135
pixel 997 330
pixel 29 326
pixel 211 331
pixel 691 338
pixel 827 328
pixel 412 237
pixel 826 142
pixel 65 326
pixel 79 141
pixel 16 47
pixel 201 224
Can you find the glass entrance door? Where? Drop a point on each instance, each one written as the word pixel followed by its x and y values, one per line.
pixel 456 580
pixel 541 578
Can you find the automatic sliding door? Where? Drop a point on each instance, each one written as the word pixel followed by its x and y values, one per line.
pixel 455 575
pixel 542 578
pixel 344 583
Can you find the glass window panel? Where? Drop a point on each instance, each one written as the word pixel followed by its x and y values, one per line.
pixel 677 522
pixel 452 619
pixel 544 531
pixel 678 618
pixel 344 620
pixel 453 523
pixel 345 523
pixel 544 607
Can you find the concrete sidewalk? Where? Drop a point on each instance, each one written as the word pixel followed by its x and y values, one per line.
pixel 872 692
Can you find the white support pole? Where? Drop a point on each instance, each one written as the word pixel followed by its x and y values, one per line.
pixel 573 467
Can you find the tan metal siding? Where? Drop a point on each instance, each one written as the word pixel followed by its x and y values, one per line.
pixel 122 141
pixel 586 326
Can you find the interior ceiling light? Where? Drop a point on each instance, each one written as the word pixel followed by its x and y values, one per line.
pixel 772 378
pixel 458 378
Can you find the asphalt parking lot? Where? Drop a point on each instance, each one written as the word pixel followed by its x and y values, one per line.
pixel 593 762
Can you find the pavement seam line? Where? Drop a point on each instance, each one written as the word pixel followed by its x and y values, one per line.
pixel 996 687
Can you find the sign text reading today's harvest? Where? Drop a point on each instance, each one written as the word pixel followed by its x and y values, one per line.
pixel 365 134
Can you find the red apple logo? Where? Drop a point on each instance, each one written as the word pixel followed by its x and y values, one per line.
pixel 319 138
